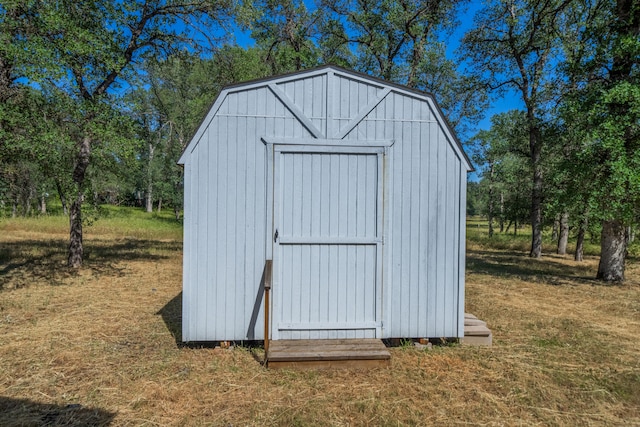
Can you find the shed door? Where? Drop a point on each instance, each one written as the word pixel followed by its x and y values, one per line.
pixel 328 242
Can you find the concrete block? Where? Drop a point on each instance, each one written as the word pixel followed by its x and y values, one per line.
pixel 478 340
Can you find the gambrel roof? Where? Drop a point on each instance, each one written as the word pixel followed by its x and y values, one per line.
pixel 324 125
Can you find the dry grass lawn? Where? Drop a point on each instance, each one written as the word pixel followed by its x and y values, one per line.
pixel 100 347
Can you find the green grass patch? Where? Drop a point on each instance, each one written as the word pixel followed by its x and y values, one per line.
pixel 478 233
pixel 108 220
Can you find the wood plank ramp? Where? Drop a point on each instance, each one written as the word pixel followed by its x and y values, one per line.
pixel 328 354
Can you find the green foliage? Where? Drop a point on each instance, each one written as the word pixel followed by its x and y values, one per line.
pixel 135 79
pixel 403 42
pixel 233 64
pixel 83 54
pixel 600 114
pixel 477 234
pixel 505 168
pixel 168 104
pixel 35 147
pixel 610 152
pixel 285 31
pixel 389 37
pixel 513 47
pixel 475 202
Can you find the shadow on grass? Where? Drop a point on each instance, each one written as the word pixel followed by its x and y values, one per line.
pixel 23 412
pixel 130 249
pixel 167 216
pixel 170 220
pixel 31 261
pixel 171 314
pixel 546 270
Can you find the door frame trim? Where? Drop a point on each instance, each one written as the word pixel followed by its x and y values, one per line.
pixel 328 142
pixel 276 146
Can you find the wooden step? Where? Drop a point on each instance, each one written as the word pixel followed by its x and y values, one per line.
pixel 474 322
pixel 476 331
pixel 327 354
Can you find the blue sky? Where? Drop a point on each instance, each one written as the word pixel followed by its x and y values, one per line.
pixel 507 102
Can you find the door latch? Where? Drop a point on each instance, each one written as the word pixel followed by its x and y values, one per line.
pixel 275 236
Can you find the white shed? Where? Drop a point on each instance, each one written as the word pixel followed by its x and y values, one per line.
pixel 355 188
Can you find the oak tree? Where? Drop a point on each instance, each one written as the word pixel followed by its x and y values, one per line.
pixel 512 47
pixel 604 110
pixel 89 50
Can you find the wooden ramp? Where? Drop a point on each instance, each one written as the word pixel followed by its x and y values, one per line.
pixel 476 331
pixel 328 354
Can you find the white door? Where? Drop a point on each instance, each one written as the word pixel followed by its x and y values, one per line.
pixel 327 242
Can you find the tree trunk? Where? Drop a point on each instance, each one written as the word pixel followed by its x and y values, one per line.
pixel 563 238
pixel 515 227
pixel 149 195
pixel 554 230
pixel 63 199
pixel 159 204
pixel 43 204
pixel 536 192
pixel 75 225
pixel 75 214
pixel 501 212
pixel 148 199
pixel 579 255
pixel 27 203
pixel 490 202
pixel 176 212
pixel 613 251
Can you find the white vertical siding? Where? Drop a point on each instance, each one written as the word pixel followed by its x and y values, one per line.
pixel 201 247
pixel 227 211
pixel 424 234
pixel 349 98
pixel 305 94
pixel 225 217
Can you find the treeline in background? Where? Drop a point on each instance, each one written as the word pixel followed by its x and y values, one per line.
pixel 98 99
